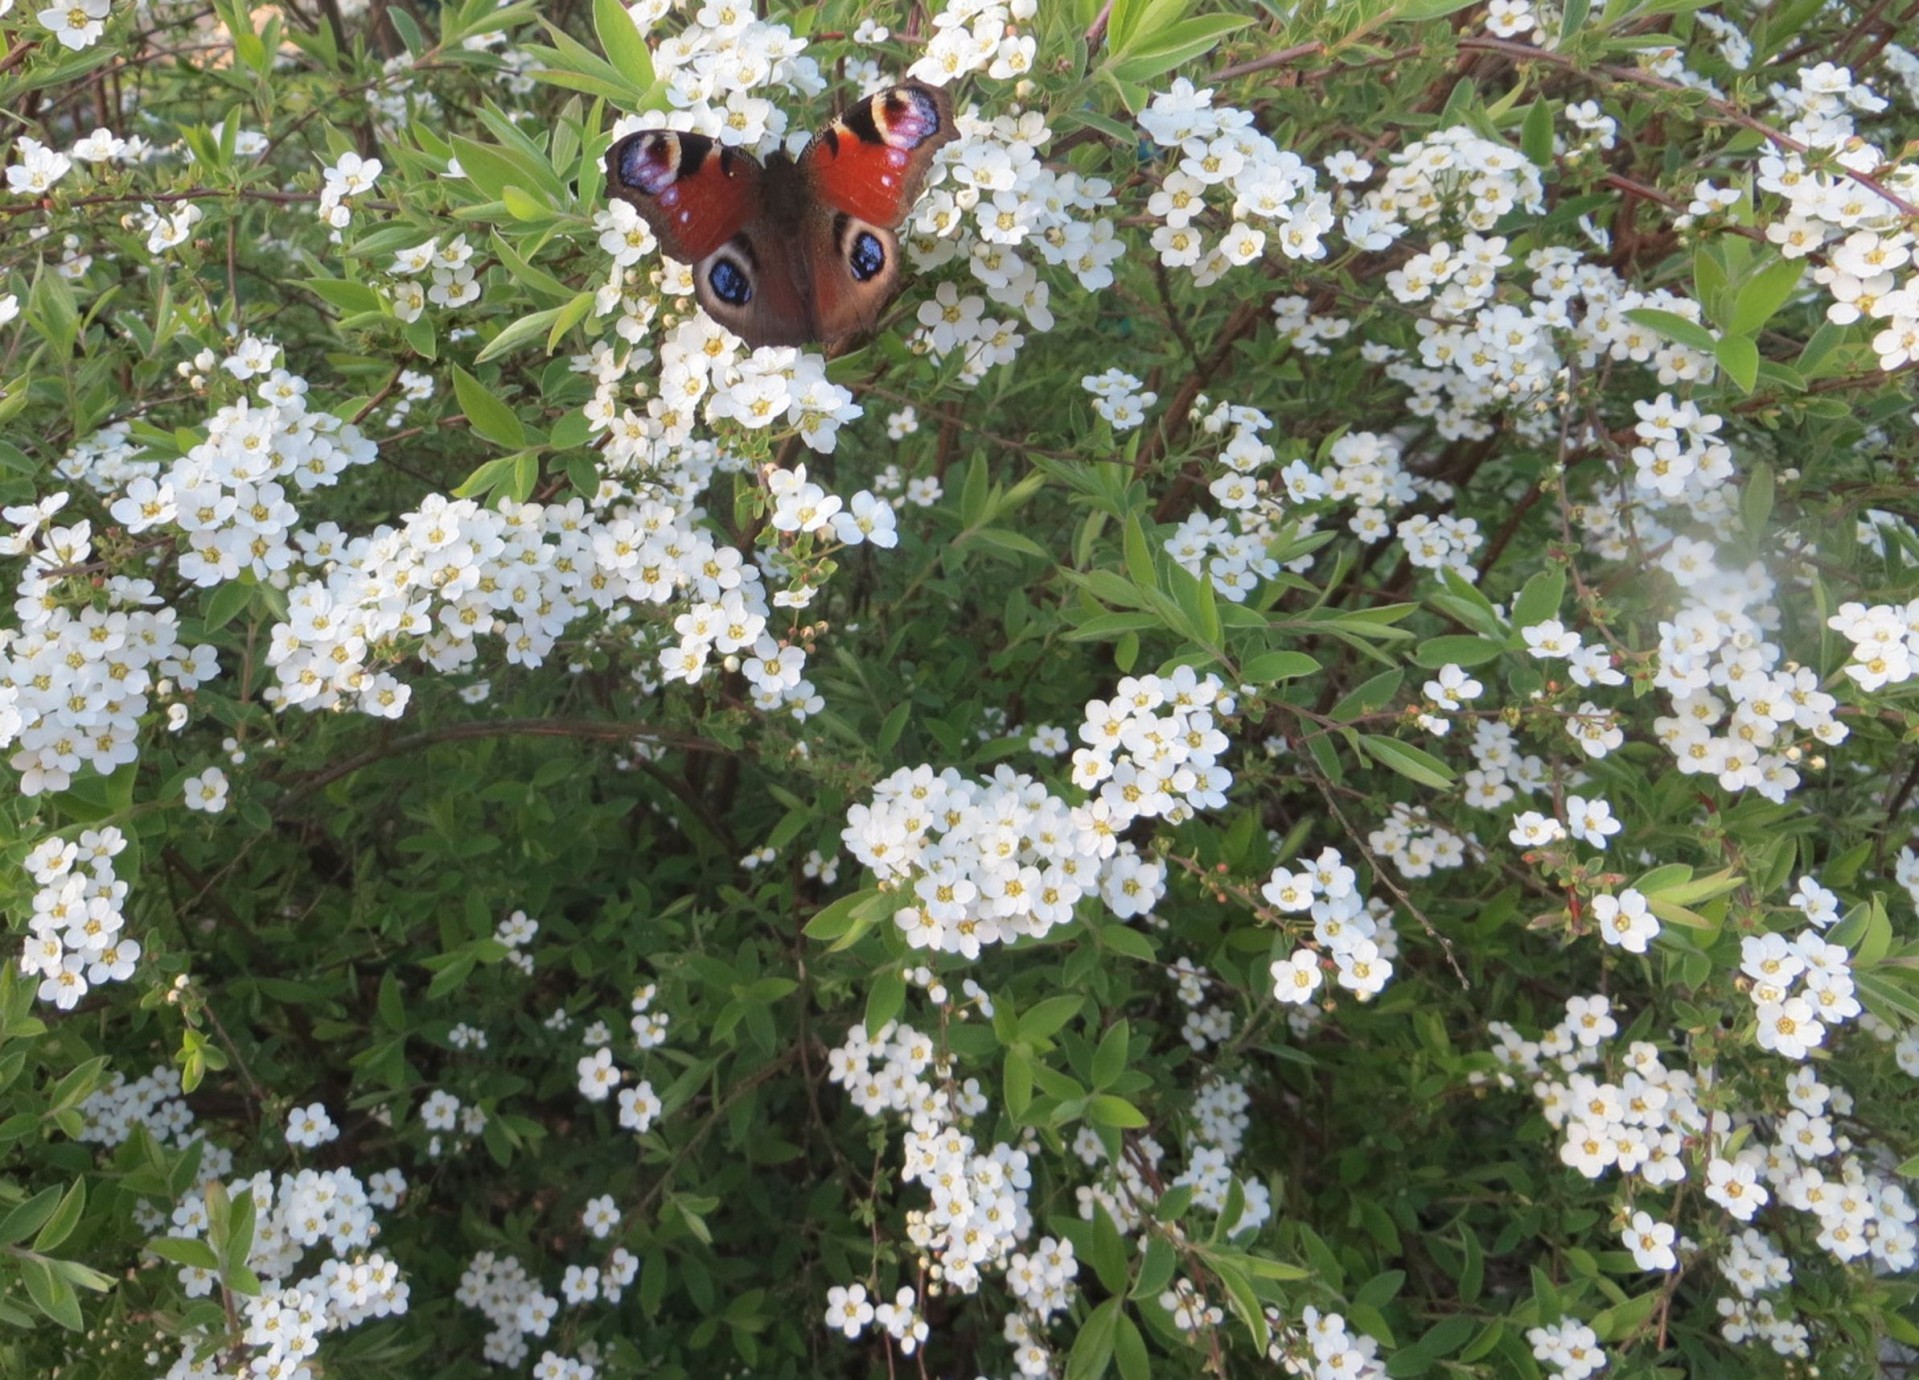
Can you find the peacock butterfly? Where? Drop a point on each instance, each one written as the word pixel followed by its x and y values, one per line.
pixel 790 252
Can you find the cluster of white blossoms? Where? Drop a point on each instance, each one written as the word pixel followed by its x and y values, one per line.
pixel 1844 188
pixel 1885 642
pixel 1649 1124
pixel 1679 456
pixel 284 1324
pixel 1416 844
pixel 153 1103
pixel 511 1300
pixel 987 862
pixel 79 673
pixel 600 1075
pixel 1454 171
pixel 450 279
pixel 1153 749
pixel 1323 1346
pixel 1269 192
pixel 1637 1125
pixel 1265 504
pixel 227 496
pixel 74 938
pixel 349 177
pixel 1358 935
pixel 1214 1136
pixel 1570 1347
pixel 1120 398
pixel 979 36
pixel 976 1216
pixel 1799 987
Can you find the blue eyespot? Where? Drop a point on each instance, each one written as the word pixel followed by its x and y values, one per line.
pixel 867 256
pixel 729 283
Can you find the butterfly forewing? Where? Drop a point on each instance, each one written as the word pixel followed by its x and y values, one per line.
pixel 694 192
pixel 873 160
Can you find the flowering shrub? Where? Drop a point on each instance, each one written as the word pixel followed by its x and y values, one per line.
pixel 1305 760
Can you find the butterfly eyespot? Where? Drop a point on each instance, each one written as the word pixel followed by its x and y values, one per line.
pixel 730 283
pixel 866 256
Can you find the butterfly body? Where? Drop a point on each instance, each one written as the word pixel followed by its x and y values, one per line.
pixel 790 252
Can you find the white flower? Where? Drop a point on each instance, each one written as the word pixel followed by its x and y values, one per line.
pixel 1295 979
pixel 847 1309
pixel 77 23
pixel 207 792
pixel 1735 1186
pixel 1625 921
pixel 310 1126
pixel 1650 1242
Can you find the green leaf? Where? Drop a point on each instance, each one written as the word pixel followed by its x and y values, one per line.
pixel 1156 1268
pixel 1673 327
pixel 1093 1348
pixel 26 1219
pixel 489 417
pixel 1139 555
pixel 1129 1350
pixel 182 1250
pixel 885 999
pixel 1415 764
pixel 51 1294
pixel 1109 1059
pixel 1268 667
pixel 1151 57
pixel 1103 1109
pixel 1739 357
pixel 1761 295
pixel 1047 1017
pixel 65 1218
pixel 1536 134
pixel 1539 599
pixel 1368 696
pixel 517 333
pixel 223 605
pixel 623 43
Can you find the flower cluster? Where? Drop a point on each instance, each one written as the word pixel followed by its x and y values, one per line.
pixel 1570 1347
pixel 77 676
pixel 1643 1123
pixel 1323 1346
pixel 343 180
pixel 1831 195
pixel 1885 642
pixel 1120 398
pixel 1793 1024
pixel 451 277
pixel 75 941
pixel 1272 192
pixel 1359 936
pixel 285 1322
pixel 987 862
pixel 979 36
pixel 500 1288
pixel 976 1214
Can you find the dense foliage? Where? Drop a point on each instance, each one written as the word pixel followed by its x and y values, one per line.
pixel 1306 762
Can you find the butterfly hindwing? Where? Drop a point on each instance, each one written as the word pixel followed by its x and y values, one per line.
pixel 854 271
